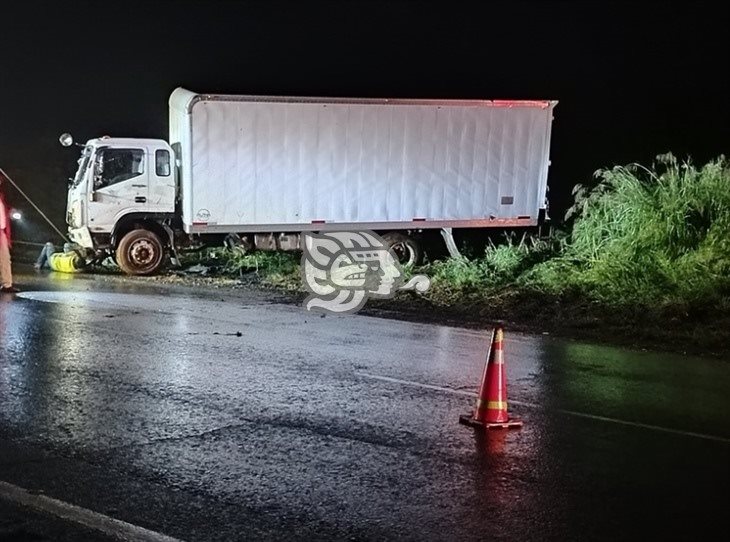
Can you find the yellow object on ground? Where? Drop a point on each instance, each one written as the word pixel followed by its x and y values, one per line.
pixel 65 262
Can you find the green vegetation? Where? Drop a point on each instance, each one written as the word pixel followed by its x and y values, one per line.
pixel 501 266
pixel 655 238
pixel 280 269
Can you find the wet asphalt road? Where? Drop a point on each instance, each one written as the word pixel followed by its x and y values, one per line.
pixel 208 417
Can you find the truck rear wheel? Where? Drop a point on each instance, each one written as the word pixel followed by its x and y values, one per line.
pixel 406 249
pixel 140 252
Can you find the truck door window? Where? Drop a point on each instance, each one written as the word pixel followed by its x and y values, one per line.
pixel 119 165
pixel 162 163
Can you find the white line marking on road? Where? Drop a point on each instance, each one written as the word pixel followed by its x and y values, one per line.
pixel 536 406
pixel 69 512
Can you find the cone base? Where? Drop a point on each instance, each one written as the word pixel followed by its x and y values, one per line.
pixel 467 419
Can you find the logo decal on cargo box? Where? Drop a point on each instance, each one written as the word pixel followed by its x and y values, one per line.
pixel 203 215
pixel 341 270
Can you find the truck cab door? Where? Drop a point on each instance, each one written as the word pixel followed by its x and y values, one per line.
pixel 161 195
pixel 119 185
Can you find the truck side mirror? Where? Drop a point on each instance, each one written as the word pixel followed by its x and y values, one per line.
pixel 66 140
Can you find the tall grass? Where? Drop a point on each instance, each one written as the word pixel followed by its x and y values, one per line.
pixel 649 236
pixel 500 266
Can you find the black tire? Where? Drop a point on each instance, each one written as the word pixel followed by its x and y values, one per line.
pixel 140 252
pixel 406 249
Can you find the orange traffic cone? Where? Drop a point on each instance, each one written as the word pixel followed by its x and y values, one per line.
pixel 491 407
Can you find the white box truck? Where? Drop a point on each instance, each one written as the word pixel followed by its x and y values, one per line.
pixel 260 170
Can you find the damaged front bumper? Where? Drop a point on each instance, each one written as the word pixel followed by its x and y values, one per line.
pixel 81 237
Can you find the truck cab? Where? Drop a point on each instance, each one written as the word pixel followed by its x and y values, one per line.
pixel 121 184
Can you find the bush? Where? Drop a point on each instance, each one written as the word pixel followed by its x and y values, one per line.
pixel 652 237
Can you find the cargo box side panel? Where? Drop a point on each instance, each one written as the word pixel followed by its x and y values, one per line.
pixel 260 162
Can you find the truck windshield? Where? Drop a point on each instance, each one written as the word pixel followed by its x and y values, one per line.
pixel 119 165
pixel 83 165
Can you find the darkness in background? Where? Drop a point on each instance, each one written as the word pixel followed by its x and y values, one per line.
pixel 633 79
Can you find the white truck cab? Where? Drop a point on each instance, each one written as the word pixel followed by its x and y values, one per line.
pixel 120 181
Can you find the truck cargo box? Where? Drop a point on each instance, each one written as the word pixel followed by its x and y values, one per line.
pixel 252 163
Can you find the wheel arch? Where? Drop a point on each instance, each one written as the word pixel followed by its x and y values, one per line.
pixel 133 221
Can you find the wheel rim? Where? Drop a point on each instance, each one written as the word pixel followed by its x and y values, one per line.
pixel 143 253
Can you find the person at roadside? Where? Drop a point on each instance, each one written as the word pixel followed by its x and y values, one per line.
pixel 6 272
pixel 48 250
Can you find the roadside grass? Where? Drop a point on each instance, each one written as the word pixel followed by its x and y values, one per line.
pixel 656 238
pixel 278 269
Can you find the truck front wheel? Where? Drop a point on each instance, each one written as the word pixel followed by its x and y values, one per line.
pixel 140 252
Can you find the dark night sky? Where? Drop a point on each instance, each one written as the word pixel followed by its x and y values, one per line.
pixel 633 79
